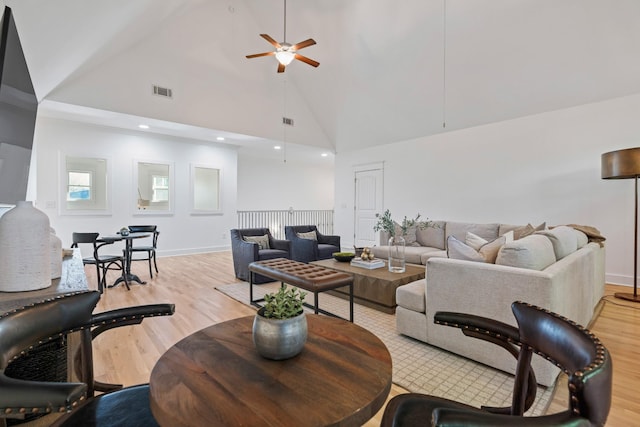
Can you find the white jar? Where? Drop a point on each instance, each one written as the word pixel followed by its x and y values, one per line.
pixel 55 247
pixel 25 255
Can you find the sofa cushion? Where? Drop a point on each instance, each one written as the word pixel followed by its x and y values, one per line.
pixel 432 253
pixel 432 236
pixel 412 254
pixel 411 296
pixel 460 229
pixel 311 235
pixel 460 250
pixel 534 252
pixel 262 241
pixel 564 240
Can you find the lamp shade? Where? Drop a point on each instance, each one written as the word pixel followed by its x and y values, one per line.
pixel 621 164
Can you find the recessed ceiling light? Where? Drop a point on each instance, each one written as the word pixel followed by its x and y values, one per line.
pixel 143 126
pixel 276 147
pixel 324 154
pixel 220 138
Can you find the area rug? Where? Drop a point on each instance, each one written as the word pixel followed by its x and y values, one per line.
pixel 417 367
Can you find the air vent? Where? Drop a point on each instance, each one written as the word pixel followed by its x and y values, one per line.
pixel 162 91
pixel 287 121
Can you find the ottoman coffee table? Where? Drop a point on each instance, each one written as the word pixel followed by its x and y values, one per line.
pixel 312 278
pixel 374 288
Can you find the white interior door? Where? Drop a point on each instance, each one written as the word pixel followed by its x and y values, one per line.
pixel 368 202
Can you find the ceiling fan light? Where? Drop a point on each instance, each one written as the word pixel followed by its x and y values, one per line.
pixel 284 56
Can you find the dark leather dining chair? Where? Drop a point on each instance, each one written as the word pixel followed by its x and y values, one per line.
pixel 149 249
pixel 575 350
pixel 103 262
pixel 245 252
pixel 28 327
pixel 307 250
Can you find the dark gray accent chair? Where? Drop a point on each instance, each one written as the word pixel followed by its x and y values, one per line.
pixel 244 253
pixel 575 350
pixel 24 330
pixel 307 250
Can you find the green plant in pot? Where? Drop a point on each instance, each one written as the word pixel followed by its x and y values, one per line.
pixel 280 327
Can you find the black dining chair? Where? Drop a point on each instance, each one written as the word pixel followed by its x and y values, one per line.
pixel 24 330
pixel 150 250
pixel 103 262
pixel 571 347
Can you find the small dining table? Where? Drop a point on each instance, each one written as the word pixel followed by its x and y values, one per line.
pixel 128 238
pixel 215 376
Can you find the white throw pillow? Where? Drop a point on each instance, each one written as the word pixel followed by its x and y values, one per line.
pixel 311 235
pixel 262 241
pixel 459 250
pixel 475 241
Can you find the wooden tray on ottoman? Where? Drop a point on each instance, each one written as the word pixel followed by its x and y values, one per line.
pixel 374 288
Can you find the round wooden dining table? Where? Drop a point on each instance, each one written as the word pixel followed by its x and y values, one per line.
pixel 215 377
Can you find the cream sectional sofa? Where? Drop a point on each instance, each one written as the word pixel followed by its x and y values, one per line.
pixel 558 269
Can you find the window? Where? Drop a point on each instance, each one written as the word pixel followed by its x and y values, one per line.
pixel 79 187
pixel 160 188
pixel 84 186
pixel 153 188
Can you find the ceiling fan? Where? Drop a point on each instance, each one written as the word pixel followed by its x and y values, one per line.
pixel 285 52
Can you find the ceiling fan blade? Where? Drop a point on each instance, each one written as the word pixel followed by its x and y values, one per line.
pixel 301 45
pixel 258 55
pixel 307 60
pixel 280 68
pixel 270 40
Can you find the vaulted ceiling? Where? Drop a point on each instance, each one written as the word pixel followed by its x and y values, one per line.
pixel 389 70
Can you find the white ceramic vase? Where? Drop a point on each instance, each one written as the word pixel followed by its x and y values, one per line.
pixel 25 254
pixel 55 248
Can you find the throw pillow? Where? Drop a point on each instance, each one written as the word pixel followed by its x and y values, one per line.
pixel 311 235
pixel 475 241
pixel 459 250
pixel 489 251
pixel 262 241
pixel 525 230
pixel 534 252
pixel 410 239
pixel 564 240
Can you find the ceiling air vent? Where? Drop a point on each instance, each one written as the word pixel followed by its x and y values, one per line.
pixel 162 91
pixel 287 121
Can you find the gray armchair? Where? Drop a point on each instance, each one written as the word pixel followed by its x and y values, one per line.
pixel 245 252
pixel 307 250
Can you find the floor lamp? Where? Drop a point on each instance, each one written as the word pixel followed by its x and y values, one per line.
pixel 624 164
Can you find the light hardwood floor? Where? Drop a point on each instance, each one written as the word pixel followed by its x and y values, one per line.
pixel 127 355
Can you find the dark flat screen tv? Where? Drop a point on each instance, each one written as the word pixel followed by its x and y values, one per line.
pixel 18 110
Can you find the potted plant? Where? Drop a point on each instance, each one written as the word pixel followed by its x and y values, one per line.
pixel 280 327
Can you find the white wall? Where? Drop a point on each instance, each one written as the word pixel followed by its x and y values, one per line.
pixel 275 185
pixel 538 168
pixel 181 232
